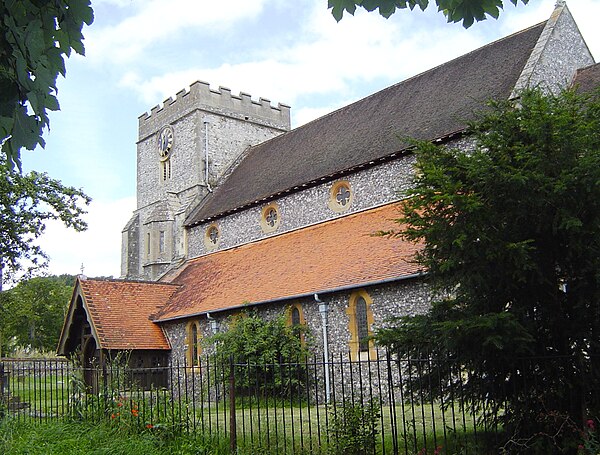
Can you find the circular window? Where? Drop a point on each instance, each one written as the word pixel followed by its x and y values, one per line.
pixel 270 218
pixel 212 237
pixel 340 196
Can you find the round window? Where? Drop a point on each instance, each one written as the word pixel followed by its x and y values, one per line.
pixel 340 196
pixel 270 218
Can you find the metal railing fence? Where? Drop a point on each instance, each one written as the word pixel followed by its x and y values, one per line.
pixel 376 406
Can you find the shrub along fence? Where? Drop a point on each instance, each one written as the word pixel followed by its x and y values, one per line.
pixel 384 405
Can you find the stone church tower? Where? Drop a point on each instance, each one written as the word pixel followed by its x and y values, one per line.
pixel 184 149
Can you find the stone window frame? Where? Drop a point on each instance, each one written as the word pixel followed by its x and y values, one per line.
pixel 209 244
pixel 193 350
pixel 334 203
pixel 265 224
pixel 289 317
pixel 354 343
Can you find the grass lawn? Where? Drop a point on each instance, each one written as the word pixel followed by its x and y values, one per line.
pixel 63 438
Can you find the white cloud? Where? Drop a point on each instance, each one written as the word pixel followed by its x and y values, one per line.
pixel 585 13
pixel 98 248
pixel 312 63
pixel 330 58
pixel 154 21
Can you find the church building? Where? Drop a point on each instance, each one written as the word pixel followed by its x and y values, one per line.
pixel 237 211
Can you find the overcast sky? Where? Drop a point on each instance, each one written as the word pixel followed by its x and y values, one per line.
pixel 140 52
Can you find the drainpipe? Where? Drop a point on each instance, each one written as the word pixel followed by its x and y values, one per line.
pixel 206 123
pixel 214 325
pixel 324 310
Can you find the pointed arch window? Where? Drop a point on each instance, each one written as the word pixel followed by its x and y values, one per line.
pixel 194 348
pixel 360 322
pixel 295 319
pixel 295 316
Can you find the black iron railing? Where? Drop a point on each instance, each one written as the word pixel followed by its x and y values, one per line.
pixel 379 406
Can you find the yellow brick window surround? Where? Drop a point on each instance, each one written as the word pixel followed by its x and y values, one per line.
pixel 360 322
pixel 340 196
pixel 270 218
pixel 295 318
pixel 194 348
pixel 212 237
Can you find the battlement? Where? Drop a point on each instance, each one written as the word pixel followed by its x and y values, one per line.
pixel 201 96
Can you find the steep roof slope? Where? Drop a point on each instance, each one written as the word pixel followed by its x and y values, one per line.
pixel 332 255
pixel 587 79
pixel 431 105
pixel 120 312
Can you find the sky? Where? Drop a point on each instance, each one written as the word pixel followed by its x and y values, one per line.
pixel 141 52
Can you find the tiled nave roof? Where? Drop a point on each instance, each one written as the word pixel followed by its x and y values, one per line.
pixel 331 255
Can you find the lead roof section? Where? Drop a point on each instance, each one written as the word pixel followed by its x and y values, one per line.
pixel 432 105
pixel 337 254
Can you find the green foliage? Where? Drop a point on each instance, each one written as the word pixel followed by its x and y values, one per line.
pixel 35 37
pixel 59 438
pixel 353 428
pixel 466 11
pixel 32 313
pixel 269 356
pixel 27 201
pixel 511 239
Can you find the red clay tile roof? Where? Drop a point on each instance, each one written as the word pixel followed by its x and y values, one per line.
pixel 120 312
pixel 331 255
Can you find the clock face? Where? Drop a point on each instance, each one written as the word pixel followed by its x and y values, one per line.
pixel 165 142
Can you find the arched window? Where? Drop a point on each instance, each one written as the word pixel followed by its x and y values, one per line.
pixel 360 321
pixel 362 325
pixel 194 348
pixel 295 316
pixel 295 319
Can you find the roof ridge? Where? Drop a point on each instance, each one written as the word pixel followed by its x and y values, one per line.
pixel 127 281
pixel 223 200
pixel 587 68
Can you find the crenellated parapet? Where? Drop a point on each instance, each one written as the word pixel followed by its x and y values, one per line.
pixel 221 102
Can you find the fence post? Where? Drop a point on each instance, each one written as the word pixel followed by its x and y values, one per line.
pixel 3 382
pixel 232 423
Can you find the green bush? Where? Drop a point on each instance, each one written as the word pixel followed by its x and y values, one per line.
pixel 269 356
pixel 353 428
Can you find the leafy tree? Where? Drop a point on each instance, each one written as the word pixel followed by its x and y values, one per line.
pixel 35 37
pixel 511 241
pixel 32 313
pixel 27 201
pixel 466 11
pixel 268 353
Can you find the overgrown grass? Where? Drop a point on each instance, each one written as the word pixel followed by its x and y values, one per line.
pixel 60 438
